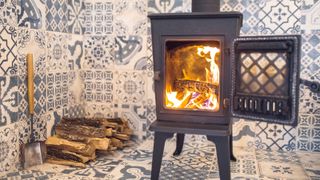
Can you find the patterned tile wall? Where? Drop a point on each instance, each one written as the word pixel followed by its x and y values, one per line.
pixel 52 30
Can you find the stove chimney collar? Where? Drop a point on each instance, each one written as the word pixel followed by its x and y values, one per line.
pixel 205 5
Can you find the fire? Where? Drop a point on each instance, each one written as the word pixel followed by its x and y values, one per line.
pixel 196 84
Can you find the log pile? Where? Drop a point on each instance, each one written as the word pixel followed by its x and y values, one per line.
pixel 77 139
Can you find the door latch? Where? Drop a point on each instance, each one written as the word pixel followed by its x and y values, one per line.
pixel 313 86
pixel 156 75
pixel 226 103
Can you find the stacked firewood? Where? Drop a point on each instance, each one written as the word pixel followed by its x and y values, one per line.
pixel 77 139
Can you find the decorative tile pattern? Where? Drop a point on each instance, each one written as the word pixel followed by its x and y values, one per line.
pixel 130 17
pixel 40 95
pixel 76 16
pixel 131 171
pixel 243 133
pixel 31 41
pixel 27 174
pixel 98 110
pixel 282 170
pixel 164 6
pixel 249 10
pixel 8 50
pixel 57 91
pixel 98 52
pixel 76 89
pixel 130 87
pixel 98 17
pixel 75 51
pixel 8 100
pixel 308 135
pixel 98 86
pixel 56 15
pixel 275 137
pixel 135 115
pixel 130 52
pixel 57 52
pixel 52 118
pixel 310 63
pixel 9 148
pixel 31 13
pixel 310 163
pixel 8 13
pixel 278 17
pixel 277 156
pixel 310 16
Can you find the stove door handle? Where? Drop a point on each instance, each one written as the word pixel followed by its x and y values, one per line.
pixel 157 75
pixel 313 86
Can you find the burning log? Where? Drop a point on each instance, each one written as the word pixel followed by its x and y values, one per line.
pixel 77 140
pixel 195 86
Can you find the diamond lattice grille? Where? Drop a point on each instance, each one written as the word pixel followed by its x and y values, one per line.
pixel 263 73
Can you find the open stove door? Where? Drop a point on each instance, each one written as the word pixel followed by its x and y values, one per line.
pixel 265 78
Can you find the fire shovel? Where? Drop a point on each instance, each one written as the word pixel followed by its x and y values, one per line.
pixel 33 153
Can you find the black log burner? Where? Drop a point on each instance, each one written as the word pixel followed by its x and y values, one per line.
pixel 205 74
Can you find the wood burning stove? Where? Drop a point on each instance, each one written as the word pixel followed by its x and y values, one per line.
pixel 205 74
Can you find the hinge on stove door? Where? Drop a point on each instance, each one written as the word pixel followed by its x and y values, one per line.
pixel 156 75
pixel 226 103
pixel 227 51
pixel 313 86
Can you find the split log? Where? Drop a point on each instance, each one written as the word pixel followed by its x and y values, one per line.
pixel 82 130
pixel 109 132
pixel 124 137
pixel 128 131
pixel 82 121
pixel 98 143
pixel 195 86
pixel 116 143
pixel 67 155
pixel 54 160
pixel 77 147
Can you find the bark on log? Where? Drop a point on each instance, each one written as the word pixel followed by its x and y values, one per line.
pixel 98 143
pixel 54 160
pixel 82 130
pixel 67 155
pixel 195 86
pixel 77 147
pixel 82 121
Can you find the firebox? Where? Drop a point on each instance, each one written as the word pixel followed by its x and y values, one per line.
pixel 205 74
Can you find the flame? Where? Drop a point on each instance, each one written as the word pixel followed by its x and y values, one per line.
pixel 187 98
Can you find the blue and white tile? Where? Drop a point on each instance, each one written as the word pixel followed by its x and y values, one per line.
pixel 149 54
pixel 98 17
pixel 130 17
pixel 76 18
pixel 249 10
pixel 99 110
pixel 187 6
pixel 31 13
pixel 52 118
pixel 8 100
pixel 310 68
pixel 309 101
pixel 75 51
pixel 282 170
pixel 131 171
pixel 31 41
pixel 40 95
pixel 279 17
pixel 56 15
pixel 168 6
pixel 130 52
pixel 99 52
pixel 8 13
pixel 135 115
pixel 275 137
pixel 8 53
pixel 246 164
pixel 57 52
pixel 57 91
pixel 76 89
pixel 310 162
pixel 308 132
pixel 277 156
pixel 243 132
pixel 27 174
pixel 310 16
pixel 9 148
pixel 98 86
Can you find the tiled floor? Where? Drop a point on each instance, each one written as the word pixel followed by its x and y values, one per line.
pixel 198 161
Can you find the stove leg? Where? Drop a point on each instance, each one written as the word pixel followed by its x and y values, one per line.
pixel 223 153
pixel 158 146
pixel 179 144
pixel 232 157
